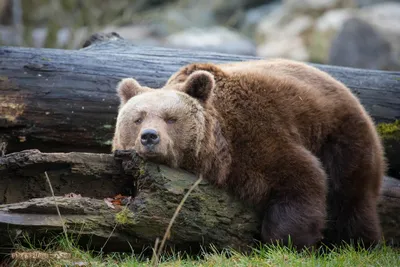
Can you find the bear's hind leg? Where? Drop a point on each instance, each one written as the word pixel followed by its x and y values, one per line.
pixel 352 205
pixel 353 160
pixel 353 221
pixel 296 207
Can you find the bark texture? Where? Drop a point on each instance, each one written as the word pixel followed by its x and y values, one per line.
pixel 64 100
pixel 209 215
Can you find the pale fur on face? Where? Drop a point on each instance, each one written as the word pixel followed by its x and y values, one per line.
pixel 177 117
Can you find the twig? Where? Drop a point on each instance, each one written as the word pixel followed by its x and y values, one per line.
pixel 108 238
pixel 115 227
pixel 58 210
pixel 155 250
pixel 167 232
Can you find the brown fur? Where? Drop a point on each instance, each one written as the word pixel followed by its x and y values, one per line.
pixel 281 135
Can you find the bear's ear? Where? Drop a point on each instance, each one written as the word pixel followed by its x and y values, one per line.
pixel 128 88
pixel 199 85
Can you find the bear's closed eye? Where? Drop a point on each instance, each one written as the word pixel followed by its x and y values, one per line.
pixel 170 120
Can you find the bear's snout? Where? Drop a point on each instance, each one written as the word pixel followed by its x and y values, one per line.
pixel 149 138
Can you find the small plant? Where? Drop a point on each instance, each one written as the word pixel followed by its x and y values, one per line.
pixel 389 130
pixel 125 216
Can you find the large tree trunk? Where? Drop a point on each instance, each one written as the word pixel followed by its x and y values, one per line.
pixel 209 215
pixel 63 100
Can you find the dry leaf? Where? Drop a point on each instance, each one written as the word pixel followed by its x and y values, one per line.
pixel 109 203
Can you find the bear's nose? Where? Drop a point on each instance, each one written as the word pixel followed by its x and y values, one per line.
pixel 149 137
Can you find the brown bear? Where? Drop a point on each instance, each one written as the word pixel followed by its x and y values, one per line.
pixel 281 135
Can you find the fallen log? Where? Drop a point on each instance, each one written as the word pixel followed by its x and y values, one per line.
pixel 209 215
pixel 64 100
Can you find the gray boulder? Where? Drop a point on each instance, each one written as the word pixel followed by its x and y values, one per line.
pixel 215 39
pixel 363 3
pixel 359 45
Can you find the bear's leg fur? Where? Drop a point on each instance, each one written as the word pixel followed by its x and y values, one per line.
pixel 297 203
pixel 352 221
pixel 353 213
pixel 353 159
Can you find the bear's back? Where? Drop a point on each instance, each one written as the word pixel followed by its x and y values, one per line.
pixel 298 74
pixel 281 98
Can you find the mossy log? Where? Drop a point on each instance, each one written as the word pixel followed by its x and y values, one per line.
pixel 209 215
pixel 64 100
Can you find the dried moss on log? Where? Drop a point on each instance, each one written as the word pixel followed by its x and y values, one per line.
pixel 209 216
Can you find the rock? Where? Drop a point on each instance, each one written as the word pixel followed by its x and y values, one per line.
pixel 279 24
pixel 182 18
pixel 334 19
pixel 144 5
pixel 326 27
pixel 255 15
pixel 385 18
pixel 359 45
pixel 224 9
pixel 281 35
pixel 315 6
pixel 296 26
pixel 290 47
pixel 216 39
pixel 270 24
pixel 176 17
pixel 363 3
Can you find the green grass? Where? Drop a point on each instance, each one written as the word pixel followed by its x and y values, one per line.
pixel 264 256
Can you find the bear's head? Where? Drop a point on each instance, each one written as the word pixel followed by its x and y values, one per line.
pixel 166 125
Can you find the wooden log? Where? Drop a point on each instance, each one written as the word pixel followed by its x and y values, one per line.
pixel 209 215
pixel 64 100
